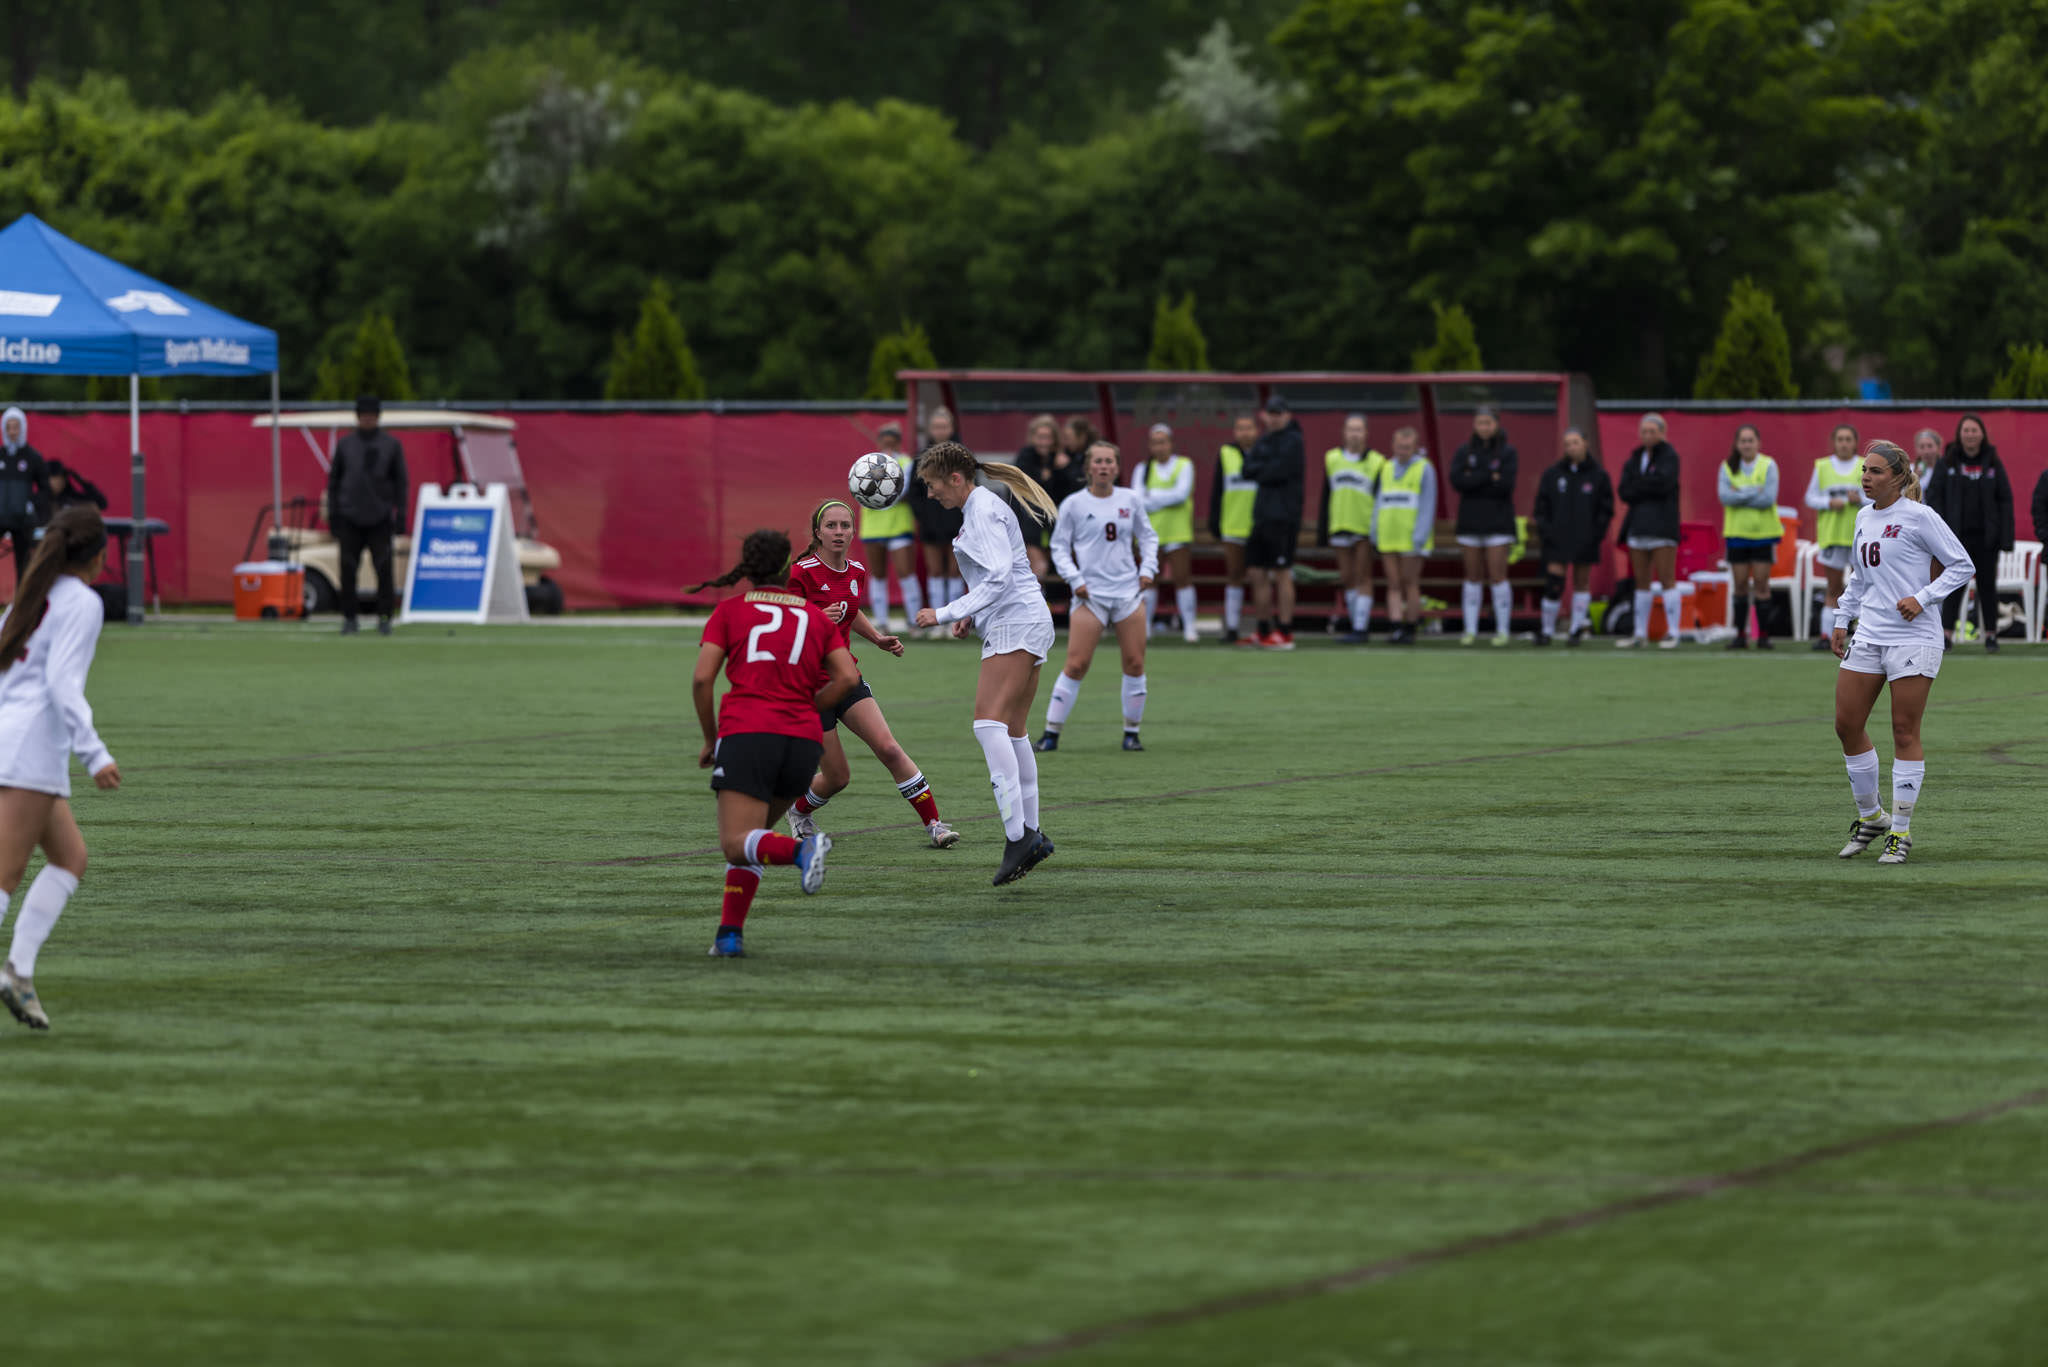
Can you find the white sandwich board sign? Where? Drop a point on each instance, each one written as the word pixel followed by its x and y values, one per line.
pixel 464 565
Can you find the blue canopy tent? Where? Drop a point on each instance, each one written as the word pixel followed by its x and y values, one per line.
pixel 67 310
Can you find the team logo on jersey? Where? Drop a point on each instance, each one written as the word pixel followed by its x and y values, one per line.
pixel 1893 531
pixel 1123 512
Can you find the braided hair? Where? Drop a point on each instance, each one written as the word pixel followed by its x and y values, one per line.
pixel 764 555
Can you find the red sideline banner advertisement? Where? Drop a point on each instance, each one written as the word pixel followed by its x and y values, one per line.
pixel 641 505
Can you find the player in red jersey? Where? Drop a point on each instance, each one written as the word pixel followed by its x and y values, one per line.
pixel 785 665
pixel 831 580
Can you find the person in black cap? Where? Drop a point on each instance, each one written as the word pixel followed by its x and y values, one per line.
pixel 1278 464
pixel 367 489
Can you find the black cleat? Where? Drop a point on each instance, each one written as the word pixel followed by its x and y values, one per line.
pixel 1738 642
pixel 1230 636
pixel 1765 643
pixel 1048 743
pixel 1578 636
pixel 383 626
pixel 349 626
pixel 1131 741
pixel 1040 852
pixel 1017 857
pixel 1542 638
pixel 1991 645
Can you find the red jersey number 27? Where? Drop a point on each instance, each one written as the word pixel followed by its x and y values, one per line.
pixel 772 625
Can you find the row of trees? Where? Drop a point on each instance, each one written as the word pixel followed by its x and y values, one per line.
pixel 1565 185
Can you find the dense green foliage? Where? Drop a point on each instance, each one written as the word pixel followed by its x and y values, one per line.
pixel 1177 341
pixel 2025 376
pixel 655 361
pixel 907 348
pixel 1456 344
pixel 1026 181
pixel 384 1032
pixel 372 361
pixel 1751 359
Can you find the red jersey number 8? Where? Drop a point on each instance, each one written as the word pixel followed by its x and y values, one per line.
pixel 774 624
pixel 1871 556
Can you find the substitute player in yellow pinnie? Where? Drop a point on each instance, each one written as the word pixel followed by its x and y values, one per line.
pixel 1349 473
pixel 1167 483
pixel 1893 601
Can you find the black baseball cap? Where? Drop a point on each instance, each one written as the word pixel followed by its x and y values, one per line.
pixel 369 403
pixel 1276 404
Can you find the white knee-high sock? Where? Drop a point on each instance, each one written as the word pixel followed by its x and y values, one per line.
pixel 1064 693
pixel 1027 779
pixel 913 598
pixel 1863 781
pixel 1151 597
pixel 1475 592
pixel 1582 609
pixel 1642 624
pixel 1550 607
pixel 1233 606
pixel 878 598
pixel 1361 611
pixel 1672 599
pixel 1503 607
pixel 1003 778
pixel 38 915
pixel 1908 777
pixel 1184 603
pixel 1134 701
pixel 956 587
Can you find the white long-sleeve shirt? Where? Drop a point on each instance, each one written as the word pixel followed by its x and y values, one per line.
pixel 43 710
pixel 1105 543
pixel 1892 558
pixel 1763 495
pixel 1000 585
pixel 1179 491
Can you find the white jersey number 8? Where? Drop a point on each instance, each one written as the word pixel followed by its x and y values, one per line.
pixel 773 624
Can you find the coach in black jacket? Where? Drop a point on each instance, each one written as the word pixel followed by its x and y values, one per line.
pixel 367 488
pixel 24 489
pixel 1484 471
pixel 1278 464
pixel 1574 508
pixel 2041 509
pixel 1649 486
pixel 1972 492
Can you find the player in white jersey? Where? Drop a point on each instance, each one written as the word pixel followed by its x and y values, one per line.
pixel 46 647
pixel 1104 547
pixel 1892 595
pixel 1005 604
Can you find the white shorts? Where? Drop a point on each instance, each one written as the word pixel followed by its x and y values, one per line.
pixel 1112 610
pixel 1170 547
pixel 1007 637
pixel 894 543
pixel 1233 540
pixel 1650 543
pixel 1916 659
pixel 39 760
pixel 1478 542
pixel 1346 540
pixel 1833 557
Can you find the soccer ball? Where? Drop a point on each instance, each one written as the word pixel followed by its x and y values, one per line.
pixel 876 480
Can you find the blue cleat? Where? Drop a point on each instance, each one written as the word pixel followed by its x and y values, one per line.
pixel 1048 743
pixel 728 944
pixel 810 861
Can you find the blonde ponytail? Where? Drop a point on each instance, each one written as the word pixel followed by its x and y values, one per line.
pixel 1901 466
pixel 950 457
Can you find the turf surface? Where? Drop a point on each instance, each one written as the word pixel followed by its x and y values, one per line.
pixel 384 1031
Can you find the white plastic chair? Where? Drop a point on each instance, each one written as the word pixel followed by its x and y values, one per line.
pixel 2018 572
pixel 1804 575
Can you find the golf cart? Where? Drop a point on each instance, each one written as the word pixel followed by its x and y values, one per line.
pixel 480 451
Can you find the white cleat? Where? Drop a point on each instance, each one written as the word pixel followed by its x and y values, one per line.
pixel 944 837
pixel 19 994
pixel 1896 848
pixel 1629 643
pixel 1863 830
pixel 801 825
pixel 1189 634
pixel 1668 643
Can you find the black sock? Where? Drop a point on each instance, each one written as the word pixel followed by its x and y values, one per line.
pixel 1741 616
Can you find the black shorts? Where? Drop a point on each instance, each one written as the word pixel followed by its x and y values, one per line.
pixel 830 717
pixel 1272 545
pixel 764 765
pixel 1744 551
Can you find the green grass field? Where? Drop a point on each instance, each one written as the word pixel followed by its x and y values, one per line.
pixel 1461 1007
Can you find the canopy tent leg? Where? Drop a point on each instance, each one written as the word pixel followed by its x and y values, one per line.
pixel 139 540
pixel 280 545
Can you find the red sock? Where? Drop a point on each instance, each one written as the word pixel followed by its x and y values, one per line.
pixel 767 847
pixel 918 794
pixel 741 882
pixel 804 806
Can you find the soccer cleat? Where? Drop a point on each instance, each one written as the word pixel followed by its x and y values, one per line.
pixel 1468 639
pixel 1738 643
pixel 1862 831
pixel 1990 648
pixel 1543 638
pixel 944 837
pixel 383 626
pixel 1821 643
pixel 1577 637
pixel 1355 638
pixel 20 995
pixel 1669 642
pixel 1016 857
pixel 1252 639
pixel 1188 632
pixel 1048 743
pixel 1040 852
pixel 1230 636
pixel 810 861
pixel 727 944
pixel 1276 640
pixel 1897 846
pixel 1630 642
pixel 1131 741
pixel 1764 643
pixel 801 824
pixel 349 626
pixel 1500 638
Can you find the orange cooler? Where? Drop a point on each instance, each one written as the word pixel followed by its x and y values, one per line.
pixel 1711 606
pixel 266 589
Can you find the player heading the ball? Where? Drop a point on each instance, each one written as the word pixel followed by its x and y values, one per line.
pixel 785 666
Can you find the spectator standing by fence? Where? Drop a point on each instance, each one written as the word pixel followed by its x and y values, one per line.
pixel 1278 464
pixel 1835 493
pixel 1748 486
pixel 889 534
pixel 24 489
pixel 1926 455
pixel 1037 458
pixel 937 524
pixel 1574 508
pixel 1483 472
pixel 1973 494
pixel 1649 486
pixel 367 491
pixel 1230 517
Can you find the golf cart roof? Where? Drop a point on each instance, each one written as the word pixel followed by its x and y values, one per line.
pixel 412 418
